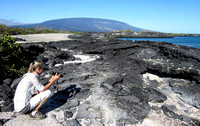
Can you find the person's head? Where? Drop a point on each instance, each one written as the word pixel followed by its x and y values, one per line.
pixel 37 66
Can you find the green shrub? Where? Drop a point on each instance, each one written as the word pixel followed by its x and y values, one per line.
pixel 177 34
pixel 11 58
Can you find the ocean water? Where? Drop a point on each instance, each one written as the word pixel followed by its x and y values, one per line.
pixel 193 41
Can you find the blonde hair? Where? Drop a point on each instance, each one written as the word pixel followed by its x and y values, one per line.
pixel 35 65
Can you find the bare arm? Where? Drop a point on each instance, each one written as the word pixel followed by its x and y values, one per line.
pixel 51 81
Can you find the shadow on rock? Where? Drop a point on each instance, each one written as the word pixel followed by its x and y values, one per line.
pixel 64 97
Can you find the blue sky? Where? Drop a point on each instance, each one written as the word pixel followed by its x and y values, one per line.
pixel 177 16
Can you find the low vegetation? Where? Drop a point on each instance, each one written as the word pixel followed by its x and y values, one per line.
pixel 13 60
pixel 5 30
pixel 128 30
pixel 178 34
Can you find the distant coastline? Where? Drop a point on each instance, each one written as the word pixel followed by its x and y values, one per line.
pixel 148 34
pixel 190 41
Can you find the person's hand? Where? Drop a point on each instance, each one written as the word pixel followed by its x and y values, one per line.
pixel 56 77
pixel 51 81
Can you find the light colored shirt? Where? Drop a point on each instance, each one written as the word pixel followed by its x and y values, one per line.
pixel 25 89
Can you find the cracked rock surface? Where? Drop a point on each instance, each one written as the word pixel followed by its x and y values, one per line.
pixel 117 83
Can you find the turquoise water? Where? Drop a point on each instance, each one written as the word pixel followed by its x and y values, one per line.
pixel 193 41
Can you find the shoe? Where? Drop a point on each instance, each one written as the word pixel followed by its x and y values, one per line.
pixel 37 115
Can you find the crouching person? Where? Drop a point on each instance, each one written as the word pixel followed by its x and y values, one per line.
pixel 24 101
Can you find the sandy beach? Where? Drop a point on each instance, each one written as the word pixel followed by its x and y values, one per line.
pixel 47 37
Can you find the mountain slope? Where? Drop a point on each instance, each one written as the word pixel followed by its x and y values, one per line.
pixel 9 22
pixel 83 25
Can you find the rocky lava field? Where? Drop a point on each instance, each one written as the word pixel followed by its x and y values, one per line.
pixel 113 82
